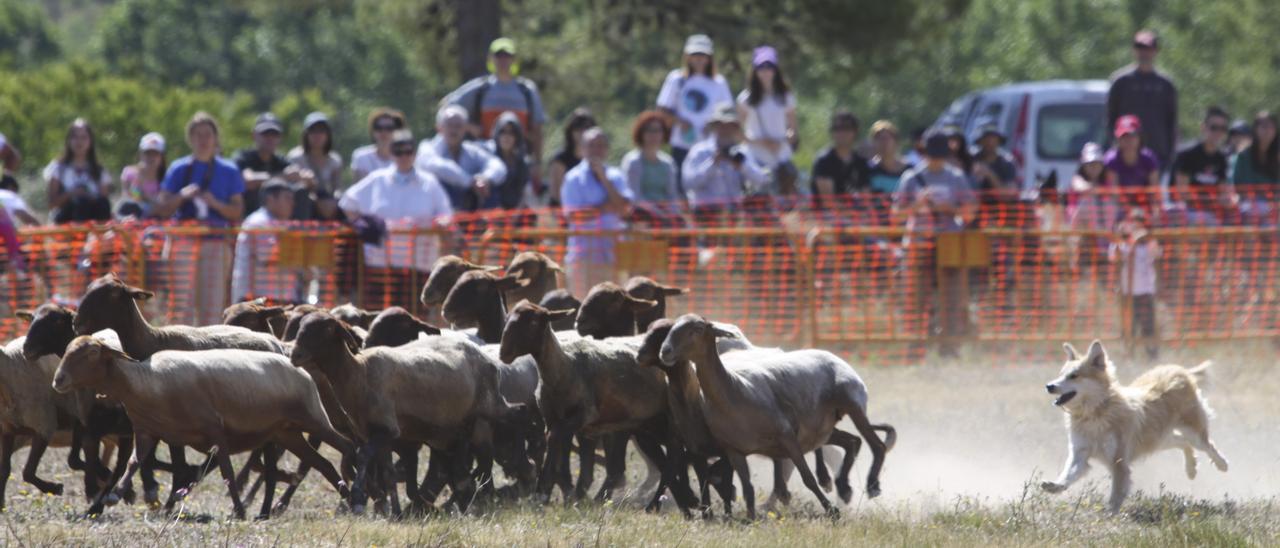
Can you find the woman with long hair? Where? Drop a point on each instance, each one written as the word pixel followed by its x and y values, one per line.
pixel 570 154
pixel 689 95
pixel 767 108
pixel 383 122
pixel 140 182
pixel 79 185
pixel 1256 170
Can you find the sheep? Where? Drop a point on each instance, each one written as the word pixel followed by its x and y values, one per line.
pixel 48 335
pixel 560 299
pixel 780 405
pixel 353 315
pixel 585 386
pixel 29 408
pixel 440 394
pixel 255 315
pixel 476 301
pixel 220 401
pixel 396 326
pixel 109 303
pixel 646 289
pixel 444 274
pixel 537 275
pixel 293 318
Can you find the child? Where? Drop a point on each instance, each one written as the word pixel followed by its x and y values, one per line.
pixel 1137 252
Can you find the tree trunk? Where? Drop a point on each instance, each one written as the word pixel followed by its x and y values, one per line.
pixel 476 24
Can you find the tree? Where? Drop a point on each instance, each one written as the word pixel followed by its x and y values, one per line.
pixel 27 38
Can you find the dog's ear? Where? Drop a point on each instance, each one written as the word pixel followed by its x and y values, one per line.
pixel 1072 355
pixel 1097 356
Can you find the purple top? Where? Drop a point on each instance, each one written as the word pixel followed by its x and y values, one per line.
pixel 1132 175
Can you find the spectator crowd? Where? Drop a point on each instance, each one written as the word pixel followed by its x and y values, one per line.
pixel 701 157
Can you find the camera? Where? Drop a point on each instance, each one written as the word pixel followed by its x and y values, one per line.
pixel 733 152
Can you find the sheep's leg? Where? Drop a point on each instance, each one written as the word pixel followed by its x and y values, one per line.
pixel 270 459
pixel 147 475
pixel 6 459
pixel 739 463
pixel 462 483
pixel 615 464
pixel 38 445
pixel 674 471
pixel 310 458
pixel 74 461
pixel 797 457
pixel 434 480
pixel 722 479
pixel 851 445
pixel 184 475
pixel 877 446
pixel 255 460
pixel 586 466
pixel 94 478
pixel 359 491
pixel 699 465
pixel 782 469
pixel 483 474
pixel 124 449
pixel 820 470
pixel 143 447
pixel 387 472
pixel 409 462
pixel 222 455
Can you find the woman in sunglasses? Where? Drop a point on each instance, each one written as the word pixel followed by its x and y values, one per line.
pixel 383 122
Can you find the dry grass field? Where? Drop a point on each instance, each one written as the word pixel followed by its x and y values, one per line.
pixel 975 438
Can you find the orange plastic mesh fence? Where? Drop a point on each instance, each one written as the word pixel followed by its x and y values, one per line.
pixel 787 275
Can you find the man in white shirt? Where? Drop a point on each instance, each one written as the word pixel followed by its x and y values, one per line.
pixel 468 170
pixel 256 272
pixel 411 202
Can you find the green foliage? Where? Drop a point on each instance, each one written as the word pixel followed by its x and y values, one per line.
pixel 27 37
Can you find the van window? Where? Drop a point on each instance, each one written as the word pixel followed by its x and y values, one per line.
pixel 989 114
pixel 1062 130
pixel 958 112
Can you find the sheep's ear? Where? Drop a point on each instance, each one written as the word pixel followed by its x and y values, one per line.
pixel 349 338
pixel 557 315
pixel 723 334
pixel 639 305
pixel 1097 356
pixel 140 294
pixel 273 310
pixel 116 353
pixel 24 315
pixel 554 266
pixel 509 282
pixel 367 317
pixel 426 327
pixel 1072 355
pixel 673 291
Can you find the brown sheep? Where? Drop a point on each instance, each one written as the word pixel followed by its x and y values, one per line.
pixel 396 326
pixel 476 301
pixel 560 299
pixel 444 274
pixel 537 274
pixel 256 316
pixel 219 401
pixel 353 315
pixel 644 288
pixel 293 318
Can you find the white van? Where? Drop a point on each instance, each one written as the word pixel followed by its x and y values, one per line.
pixel 1046 123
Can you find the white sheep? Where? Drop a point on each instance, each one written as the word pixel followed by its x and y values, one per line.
pixel 220 401
pixel 777 405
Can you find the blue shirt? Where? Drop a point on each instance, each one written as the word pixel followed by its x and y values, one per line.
pixel 582 190
pixel 224 182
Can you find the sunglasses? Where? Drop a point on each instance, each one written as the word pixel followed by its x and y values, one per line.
pixel 384 127
pixel 403 151
pixel 1217 128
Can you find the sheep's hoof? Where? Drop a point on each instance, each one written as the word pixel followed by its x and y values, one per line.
pixel 238 514
pixel 873 489
pixel 54 489
pixel 833 512
pixel 150 496
pixel 111 499
pixel 278 509
pixel 357 509
pixel 262 517
pixel 1052 487
pixel 845 491
pixel 825 483
pixel 380 507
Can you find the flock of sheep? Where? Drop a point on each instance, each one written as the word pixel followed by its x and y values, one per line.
pixel 521 387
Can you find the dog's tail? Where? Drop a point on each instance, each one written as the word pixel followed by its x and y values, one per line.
pixel 1201 372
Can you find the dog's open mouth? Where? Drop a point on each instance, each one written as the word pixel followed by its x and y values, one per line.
pixel 1063 399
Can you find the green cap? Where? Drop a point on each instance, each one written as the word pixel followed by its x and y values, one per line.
pixel 502 45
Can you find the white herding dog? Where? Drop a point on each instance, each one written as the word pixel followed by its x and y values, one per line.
pixel 1116 425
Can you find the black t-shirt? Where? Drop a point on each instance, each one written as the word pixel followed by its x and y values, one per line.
pixel 846 177
pixel 249 159
pixel 1202 167
pixel 570 161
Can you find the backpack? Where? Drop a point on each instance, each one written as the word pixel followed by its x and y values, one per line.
pixel 521 84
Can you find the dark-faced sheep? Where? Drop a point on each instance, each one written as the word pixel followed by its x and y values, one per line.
pixel 646 289
pixel 444 274
pixel 219 401
pixel 538 275
pixel 257 316
pixel 560 299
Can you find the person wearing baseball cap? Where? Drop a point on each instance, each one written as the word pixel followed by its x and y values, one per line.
pixel 1130 164
pixel 486 97
pixel 261 161
pixel 317 165
pixel 690 94
pixel 140 182
pixel 1143 91
pixel 718 169
pixel 254 272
